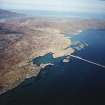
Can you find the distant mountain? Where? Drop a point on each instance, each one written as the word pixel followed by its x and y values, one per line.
pixel 8 14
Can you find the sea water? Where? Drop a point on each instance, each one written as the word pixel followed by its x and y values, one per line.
pixel 58 14
pixel 62 83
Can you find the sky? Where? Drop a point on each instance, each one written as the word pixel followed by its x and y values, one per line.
pixel 55 5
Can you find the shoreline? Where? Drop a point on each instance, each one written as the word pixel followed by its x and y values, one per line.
pixel 38 37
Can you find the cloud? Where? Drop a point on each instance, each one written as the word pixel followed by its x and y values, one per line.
pixel 55 5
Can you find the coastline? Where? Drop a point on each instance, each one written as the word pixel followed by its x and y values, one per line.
pixel 38 37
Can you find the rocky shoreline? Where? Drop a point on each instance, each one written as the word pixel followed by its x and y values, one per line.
pixel 24 39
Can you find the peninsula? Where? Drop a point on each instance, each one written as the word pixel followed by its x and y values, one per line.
pixel 26 38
